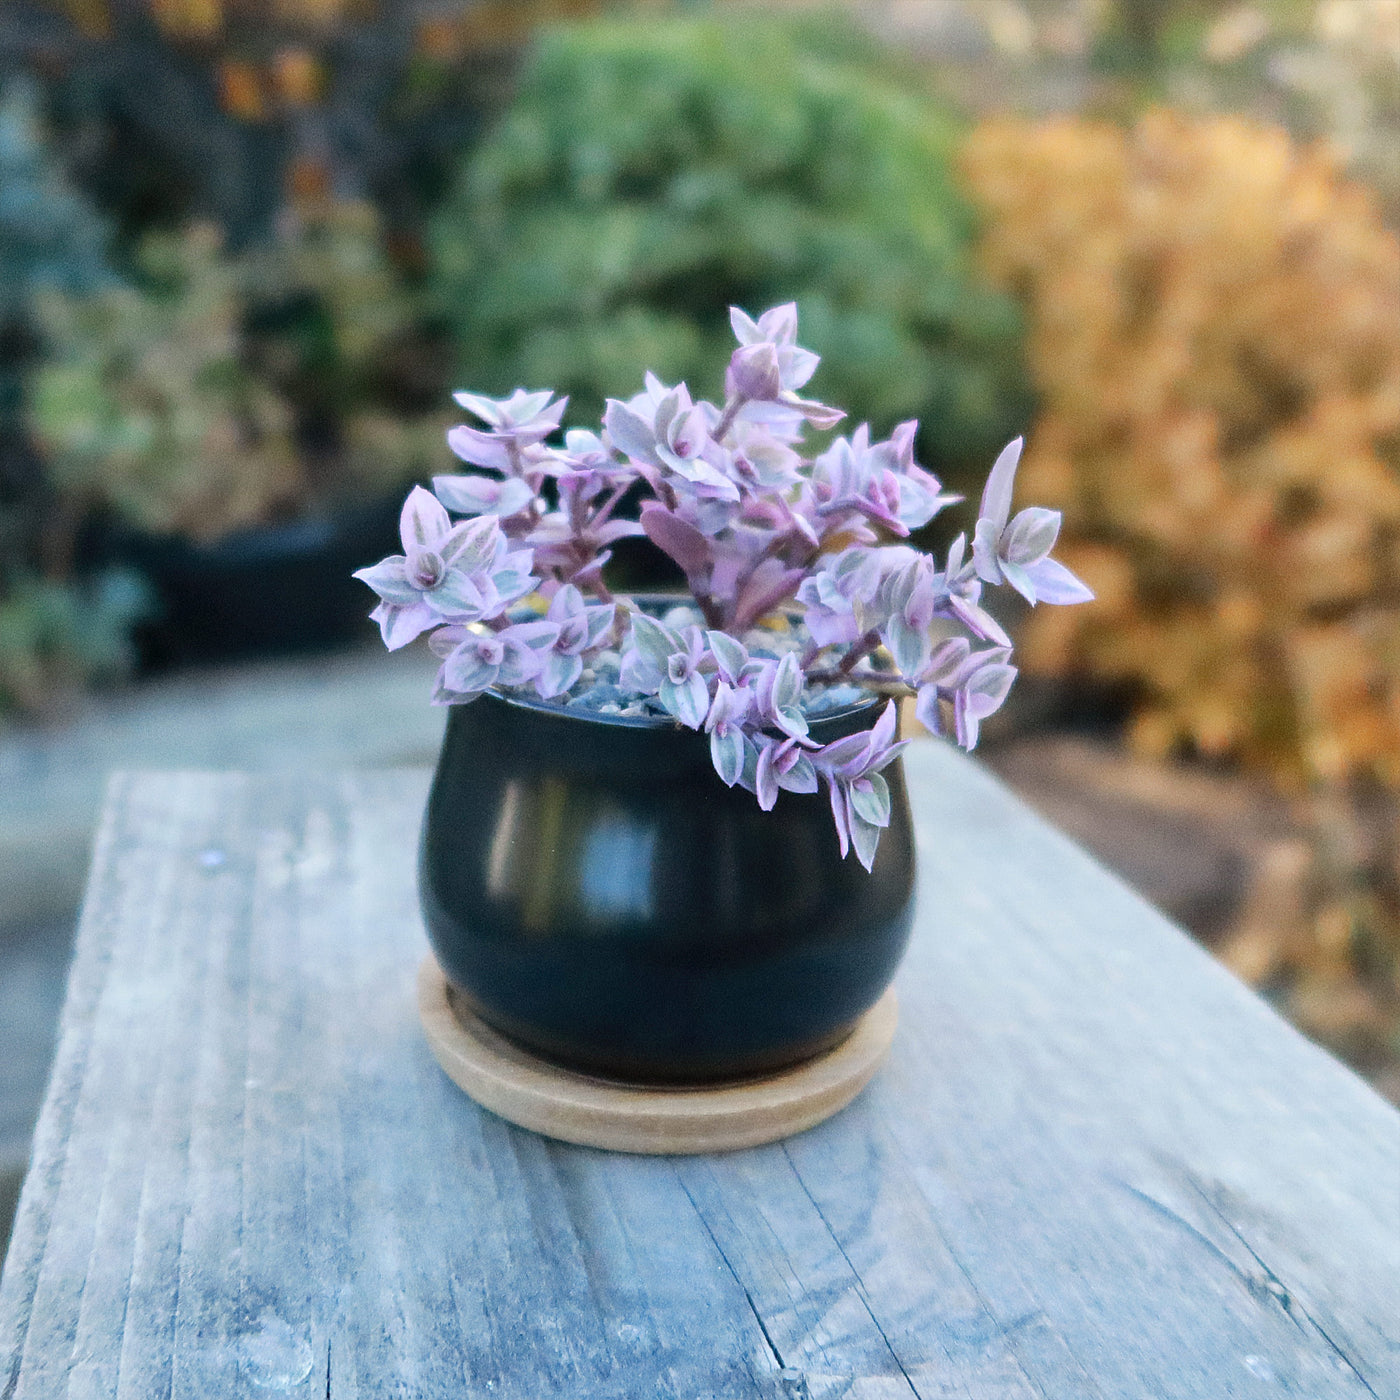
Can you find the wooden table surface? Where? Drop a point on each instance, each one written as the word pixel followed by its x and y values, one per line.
pixel 1094 1165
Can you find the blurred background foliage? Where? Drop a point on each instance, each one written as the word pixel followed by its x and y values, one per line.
pixel 247 247
pixel 1215 335
pixel 647 177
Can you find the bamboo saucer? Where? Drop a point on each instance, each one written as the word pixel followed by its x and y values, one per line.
pixel 558 1103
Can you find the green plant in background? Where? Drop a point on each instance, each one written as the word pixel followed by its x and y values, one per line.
pixel 145 408
pixel 217 392
pixel 50 237
pixel 332 327
pixel 647 177
pixel 58 638
pixel 55 634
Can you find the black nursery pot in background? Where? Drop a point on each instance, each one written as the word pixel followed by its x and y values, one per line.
pixel 594 892
pixel 275 589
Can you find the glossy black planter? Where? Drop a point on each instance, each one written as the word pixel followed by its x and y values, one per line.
pixel 594 891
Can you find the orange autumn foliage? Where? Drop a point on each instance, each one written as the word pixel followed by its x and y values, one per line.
pixel 1216 344
pixel 1215 340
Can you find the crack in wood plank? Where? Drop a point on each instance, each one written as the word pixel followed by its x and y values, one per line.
pixel 1286 1298
pixel 860 1288
pixel 771 1346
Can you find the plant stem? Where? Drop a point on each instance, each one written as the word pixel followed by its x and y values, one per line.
pixel 859 650
pixel 726 419
pixel 878 682
pixel 714 617
pixel 604 512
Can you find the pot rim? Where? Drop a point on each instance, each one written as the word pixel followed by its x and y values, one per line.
pixel 552 707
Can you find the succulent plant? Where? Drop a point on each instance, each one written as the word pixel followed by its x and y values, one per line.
pixel 803 589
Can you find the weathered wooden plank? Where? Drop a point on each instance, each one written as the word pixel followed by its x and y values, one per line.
pixel 1068 1055
pixel 1094 1166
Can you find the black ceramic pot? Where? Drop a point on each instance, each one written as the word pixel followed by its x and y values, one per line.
pixel 594 891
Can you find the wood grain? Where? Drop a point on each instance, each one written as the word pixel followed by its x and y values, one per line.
pixel 1094 1165
pixel 632 1118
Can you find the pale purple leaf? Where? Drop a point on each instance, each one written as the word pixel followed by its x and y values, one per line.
pixel 730 656
pixel 865 837
pixel 688 700
pixel 745 328
pixel 988 687
pixel 842 754
pixel 965 723
pixel 927 709
pixel 791 720
pixel 978 620
pixel 1001 483
pixel 472 544
pixel 400 625
pixel 511 581
pixel 478 449
pixel 423 522
pixel 787 683
pixel 610 531
pixel 628 432
pixel 538 636
pixel 483 495
pixel 947 659
pixel 558 673
pixel 797 365
pixel 765 779
pixel 521 662
pixel 821 416
pixel 653 640
pixel 1055 584
pixel 986 542
pixel 870 799
pixel 800 777
pixel 779 323
pixel 459 595
pixel 676 537
pixel 467 671
pixel 599 621
pixel 841 814
pixel 1019 579
pixel 754 373
pixel 883 731
pixel 908 645
pixel 727 754
pixel 481 406
pixel 882 760
pixel 1031 535
pixel 639 673
pixel 389 579
pixel 446 640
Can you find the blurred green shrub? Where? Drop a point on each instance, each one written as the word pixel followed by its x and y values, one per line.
pixel 648 176
pixel 50 236
pixel 55 634
pixel 216 392
pixel 144 407
pixel 331 324
pixel 58 638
